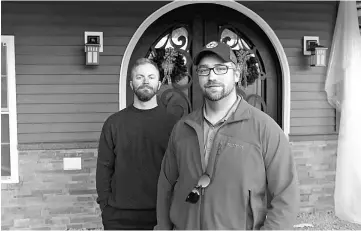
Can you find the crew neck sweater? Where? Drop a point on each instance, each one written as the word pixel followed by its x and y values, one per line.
pixel 131 148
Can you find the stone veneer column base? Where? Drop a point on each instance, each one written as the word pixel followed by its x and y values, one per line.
pixel 316 166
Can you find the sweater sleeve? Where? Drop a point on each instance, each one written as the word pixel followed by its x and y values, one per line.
pixel 282 182
pixel 167 178
pixel 105 165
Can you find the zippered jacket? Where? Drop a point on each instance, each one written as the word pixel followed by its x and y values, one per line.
pixel 253 175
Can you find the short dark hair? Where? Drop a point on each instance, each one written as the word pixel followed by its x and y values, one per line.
pixel 142 61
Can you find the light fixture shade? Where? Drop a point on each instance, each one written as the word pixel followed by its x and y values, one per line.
pixel 318 56
pixel 92 54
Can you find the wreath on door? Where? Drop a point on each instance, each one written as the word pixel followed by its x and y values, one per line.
pixel 171 65
pixel 250 72
pixel 173 71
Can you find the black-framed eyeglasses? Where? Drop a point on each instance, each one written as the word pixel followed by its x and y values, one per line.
pixel 195 194
pixel 218 70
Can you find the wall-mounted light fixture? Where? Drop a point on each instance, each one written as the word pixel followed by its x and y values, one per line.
pixel 317 52
pixel 93 45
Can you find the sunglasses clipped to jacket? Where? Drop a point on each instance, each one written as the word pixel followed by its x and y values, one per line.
pixel 197 191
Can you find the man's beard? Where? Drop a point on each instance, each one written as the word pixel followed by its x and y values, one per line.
pixel 145 95
pixel 215 96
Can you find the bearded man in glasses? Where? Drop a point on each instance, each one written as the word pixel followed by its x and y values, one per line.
pixel 131 147
pixel 228 165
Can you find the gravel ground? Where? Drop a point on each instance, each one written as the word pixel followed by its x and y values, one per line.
pixel 319 220
pixel 324 221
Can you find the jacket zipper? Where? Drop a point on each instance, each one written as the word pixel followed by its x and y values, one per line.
pixel 216 160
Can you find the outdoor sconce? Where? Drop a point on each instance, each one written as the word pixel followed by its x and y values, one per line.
pixel 93 45
pixel 318 53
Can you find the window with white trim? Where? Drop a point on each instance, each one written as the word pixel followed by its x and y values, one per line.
pixel 9 152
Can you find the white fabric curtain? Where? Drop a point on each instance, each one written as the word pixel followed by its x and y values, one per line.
pixel 343 87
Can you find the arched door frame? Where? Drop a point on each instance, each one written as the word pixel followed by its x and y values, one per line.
pixel 286 85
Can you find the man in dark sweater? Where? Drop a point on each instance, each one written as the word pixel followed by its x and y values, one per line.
pixel 131 148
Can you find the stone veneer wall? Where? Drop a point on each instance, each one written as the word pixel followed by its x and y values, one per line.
pixel 48 197
pixel 316 166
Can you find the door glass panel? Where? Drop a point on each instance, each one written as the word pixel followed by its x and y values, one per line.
pixel 162 42
pixel 180 38
pixel 5 160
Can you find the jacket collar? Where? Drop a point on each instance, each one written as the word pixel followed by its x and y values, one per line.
pixel 242 113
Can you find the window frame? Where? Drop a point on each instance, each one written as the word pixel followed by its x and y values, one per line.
pixel 11 83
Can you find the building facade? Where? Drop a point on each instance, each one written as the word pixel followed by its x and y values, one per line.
pixel 54 105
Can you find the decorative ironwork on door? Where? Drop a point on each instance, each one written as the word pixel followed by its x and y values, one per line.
pixel 171 54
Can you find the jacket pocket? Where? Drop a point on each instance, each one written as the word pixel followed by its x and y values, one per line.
pixel 249 212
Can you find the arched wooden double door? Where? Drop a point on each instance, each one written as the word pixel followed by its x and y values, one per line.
pixel 186 30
